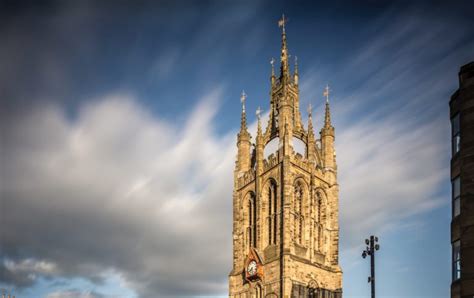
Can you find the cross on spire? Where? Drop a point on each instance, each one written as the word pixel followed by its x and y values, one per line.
pixel 327 115
pixel 326 93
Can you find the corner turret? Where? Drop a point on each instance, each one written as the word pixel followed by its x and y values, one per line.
pixel 243 140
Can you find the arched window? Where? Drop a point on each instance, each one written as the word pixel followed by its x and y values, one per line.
pixel 319 226
pixel 272 212
pixel 298 209
pixel 252 220
pixel 313 289
pixel 318 208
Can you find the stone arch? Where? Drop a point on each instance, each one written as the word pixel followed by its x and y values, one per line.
pixel 313 284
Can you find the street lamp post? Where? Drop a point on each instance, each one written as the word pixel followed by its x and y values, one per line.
pixel 372 246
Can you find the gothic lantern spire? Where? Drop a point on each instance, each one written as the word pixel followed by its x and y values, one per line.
pixel 284 70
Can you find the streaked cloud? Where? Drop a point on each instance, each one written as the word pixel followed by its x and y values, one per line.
pixel 108 186
pixel 116 189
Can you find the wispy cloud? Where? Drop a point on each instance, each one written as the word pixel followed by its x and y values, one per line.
pixel 118 189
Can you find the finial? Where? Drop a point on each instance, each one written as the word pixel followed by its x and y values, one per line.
pixel 243 97
pixel 327 114
pixel 310 118
pixel 284 51
pixel 272 62
pixel 258 112
pixel 295 75
pixel 326 93
pixel 243 117
pixel 282 22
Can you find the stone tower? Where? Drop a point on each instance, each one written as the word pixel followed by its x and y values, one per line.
pixel 285 206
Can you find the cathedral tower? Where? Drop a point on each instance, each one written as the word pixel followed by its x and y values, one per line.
pixel 285 205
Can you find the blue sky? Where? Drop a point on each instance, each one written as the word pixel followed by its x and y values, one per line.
pixel 119 121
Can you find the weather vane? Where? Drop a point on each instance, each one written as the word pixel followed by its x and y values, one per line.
pixel 243 97
pixel 282 22
pixel 326 93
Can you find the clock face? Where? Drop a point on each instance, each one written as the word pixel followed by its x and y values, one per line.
pixel 252 268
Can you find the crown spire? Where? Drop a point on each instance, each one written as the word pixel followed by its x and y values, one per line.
pixel 284 50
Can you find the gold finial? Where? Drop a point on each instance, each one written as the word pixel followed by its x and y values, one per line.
pixel 243 97
pixel 282 22
pixel 326 93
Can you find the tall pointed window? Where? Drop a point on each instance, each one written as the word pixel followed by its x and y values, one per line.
pixel 272 213
pixel 456 134
pixel 298 208
pixel 252 224
pixel 319 222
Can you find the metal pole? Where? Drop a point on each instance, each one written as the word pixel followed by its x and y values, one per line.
pixel 372 266
pixel 372 247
